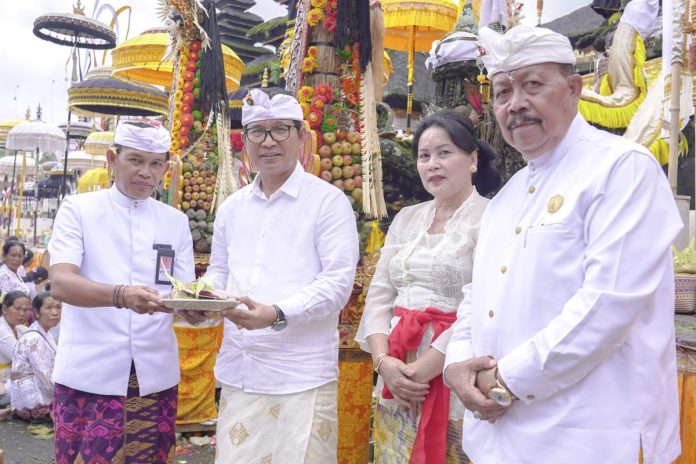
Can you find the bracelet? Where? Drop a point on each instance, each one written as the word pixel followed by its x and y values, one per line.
pixel 114 296
pixel 120 296
pixel 379 360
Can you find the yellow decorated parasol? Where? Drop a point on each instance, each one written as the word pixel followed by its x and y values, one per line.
pixel 94 179
pixel 98 143
pixel 140 59
pixel 413 25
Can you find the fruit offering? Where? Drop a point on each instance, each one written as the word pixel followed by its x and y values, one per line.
pixel 340 161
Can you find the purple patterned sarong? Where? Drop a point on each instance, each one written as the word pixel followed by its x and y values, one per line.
pixel 96 429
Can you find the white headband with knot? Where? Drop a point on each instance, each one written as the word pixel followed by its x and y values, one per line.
pixel 151 138
pixel 523 46
pixel 259 107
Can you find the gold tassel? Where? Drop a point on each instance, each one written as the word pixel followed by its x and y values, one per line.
pixel 540 8
pixel 377 33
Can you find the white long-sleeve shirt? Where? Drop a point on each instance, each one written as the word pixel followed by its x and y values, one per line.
pixel 573 294
pixel 297 249
pixel 111 238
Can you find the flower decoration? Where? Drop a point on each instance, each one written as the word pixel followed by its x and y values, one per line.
pixel 329 123
pixel 325 92
pixel 330 24
pixel 330 13
pixel 305 108
pixel 313 51
pixel 318 3
pixel 345 52
pixel 317 104
pixel 315 119
pixel 305 93
pixel 315 16
pixel 309 64
pixel 249 100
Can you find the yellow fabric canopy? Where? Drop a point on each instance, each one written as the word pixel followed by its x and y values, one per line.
pixel 97 143
pixel 432 19
pixel 94 179
pixel 140 59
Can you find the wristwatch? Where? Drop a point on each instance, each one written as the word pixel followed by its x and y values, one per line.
pixel 499 393
pixel 280 323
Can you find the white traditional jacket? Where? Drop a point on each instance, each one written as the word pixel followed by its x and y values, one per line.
pixel 112 239
pixel 573 294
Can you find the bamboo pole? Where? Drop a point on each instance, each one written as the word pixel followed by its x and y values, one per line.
pixel 21 194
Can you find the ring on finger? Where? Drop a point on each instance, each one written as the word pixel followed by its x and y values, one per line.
pixel 477 415
pixel 150 312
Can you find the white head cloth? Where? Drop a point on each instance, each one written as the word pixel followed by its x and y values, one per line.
pixel 153 139
pixel 259 107
pixel 523 46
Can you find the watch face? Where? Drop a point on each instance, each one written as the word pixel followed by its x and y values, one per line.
pixel 501 396
pixel 279 325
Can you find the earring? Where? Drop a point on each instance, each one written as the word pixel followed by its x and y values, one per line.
pixel 473 169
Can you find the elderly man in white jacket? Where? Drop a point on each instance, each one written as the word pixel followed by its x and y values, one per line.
pixel 563 350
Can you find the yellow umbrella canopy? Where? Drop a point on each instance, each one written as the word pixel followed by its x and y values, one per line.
pixel 98 143
pixel 140 59
pixel 94 179
pixel 432 19
pixel 413 25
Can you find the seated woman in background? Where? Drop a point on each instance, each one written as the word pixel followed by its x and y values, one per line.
pixel 32 363
pixel 15 310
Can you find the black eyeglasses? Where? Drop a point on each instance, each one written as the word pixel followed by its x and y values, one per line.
pixel 279 133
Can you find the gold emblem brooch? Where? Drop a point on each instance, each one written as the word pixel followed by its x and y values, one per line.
pixel 555 204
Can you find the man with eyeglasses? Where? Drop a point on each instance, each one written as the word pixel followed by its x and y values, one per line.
pixel 287 246
pixel 117 366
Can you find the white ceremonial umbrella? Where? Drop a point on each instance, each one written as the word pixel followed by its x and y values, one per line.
pixel 33 135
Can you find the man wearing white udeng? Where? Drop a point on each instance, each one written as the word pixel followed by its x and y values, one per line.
pixel 287 243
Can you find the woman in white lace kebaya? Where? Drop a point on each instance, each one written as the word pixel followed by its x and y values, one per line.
pixel 413 298
pixel 32 363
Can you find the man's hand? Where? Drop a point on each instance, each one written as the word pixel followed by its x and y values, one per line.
pixel 143 300
pixel 257 316
pixel 461 377
pixel 399 378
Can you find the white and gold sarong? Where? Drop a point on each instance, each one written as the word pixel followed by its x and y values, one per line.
pixel 297 428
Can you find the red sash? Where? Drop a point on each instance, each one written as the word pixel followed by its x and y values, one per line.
pixel 405 337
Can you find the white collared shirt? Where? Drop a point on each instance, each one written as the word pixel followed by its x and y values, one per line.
pixel 297 249
pixel 111 238
pixel 573 294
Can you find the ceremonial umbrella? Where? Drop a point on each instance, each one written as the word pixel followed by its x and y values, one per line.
pixel 102 95
pixel 76 31
pixel 140 59
pixel 98 143
pixel 413 25
pixel 28 136
pixel 5 127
